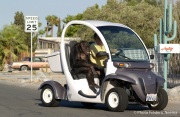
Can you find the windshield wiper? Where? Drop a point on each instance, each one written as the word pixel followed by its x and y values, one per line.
pixel 118 54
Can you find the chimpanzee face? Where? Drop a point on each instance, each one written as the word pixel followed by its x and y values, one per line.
pixel 85 47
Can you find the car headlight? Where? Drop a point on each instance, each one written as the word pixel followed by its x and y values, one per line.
pixel 125 65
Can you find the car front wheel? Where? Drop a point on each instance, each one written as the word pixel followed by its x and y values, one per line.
pixel 117 99
pixel 162 101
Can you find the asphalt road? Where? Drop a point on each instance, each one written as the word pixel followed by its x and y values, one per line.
pixel 18 101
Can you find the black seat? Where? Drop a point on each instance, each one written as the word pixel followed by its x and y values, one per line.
pixel 68 48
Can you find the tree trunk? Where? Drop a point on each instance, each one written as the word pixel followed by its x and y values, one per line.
pixel 59 28
pixel 52 31
pixel 47 29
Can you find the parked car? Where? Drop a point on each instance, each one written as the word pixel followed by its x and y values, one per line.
pixel 25 64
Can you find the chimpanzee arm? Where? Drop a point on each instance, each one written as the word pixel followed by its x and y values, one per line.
pixel 83 63
pixel 86 64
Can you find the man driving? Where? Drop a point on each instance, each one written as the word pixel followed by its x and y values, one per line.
pixel 98 61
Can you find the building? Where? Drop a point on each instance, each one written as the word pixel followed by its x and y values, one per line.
pixel 48 45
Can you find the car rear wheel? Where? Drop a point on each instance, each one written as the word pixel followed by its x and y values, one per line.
pixel 48 98
pixel 24 68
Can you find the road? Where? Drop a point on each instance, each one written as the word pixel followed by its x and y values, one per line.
pixel 16 101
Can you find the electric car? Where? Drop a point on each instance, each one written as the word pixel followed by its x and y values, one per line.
pixel 128 72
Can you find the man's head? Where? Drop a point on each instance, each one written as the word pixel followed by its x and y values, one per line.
pixel 97 39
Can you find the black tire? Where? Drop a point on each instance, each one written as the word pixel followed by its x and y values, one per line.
pixel 116 99
pixel 24 68
pixel 48 97
pixel 162 101
pixel 88 105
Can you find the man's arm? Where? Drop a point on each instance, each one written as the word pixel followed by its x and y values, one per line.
pixel 93 50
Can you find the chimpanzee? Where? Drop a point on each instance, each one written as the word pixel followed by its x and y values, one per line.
pixel 80 62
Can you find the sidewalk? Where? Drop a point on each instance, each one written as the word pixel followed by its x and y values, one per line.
pixel 23 78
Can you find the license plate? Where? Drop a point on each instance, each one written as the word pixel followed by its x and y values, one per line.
pixel 151 97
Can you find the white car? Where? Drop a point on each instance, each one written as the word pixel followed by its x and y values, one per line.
pixel 128 75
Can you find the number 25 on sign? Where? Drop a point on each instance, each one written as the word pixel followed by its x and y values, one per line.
pixel 31 24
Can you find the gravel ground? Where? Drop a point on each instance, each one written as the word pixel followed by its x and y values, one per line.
pixel 174 94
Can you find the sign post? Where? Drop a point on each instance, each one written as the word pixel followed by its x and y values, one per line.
pixel 31 25
pixel 167 32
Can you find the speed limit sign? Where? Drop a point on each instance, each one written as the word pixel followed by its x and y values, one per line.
pixel 31 24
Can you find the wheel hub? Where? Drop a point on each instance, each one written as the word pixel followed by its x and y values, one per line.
pixel 113 99
pixel 47 95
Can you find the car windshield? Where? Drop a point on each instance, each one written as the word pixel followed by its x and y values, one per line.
pixel 124 44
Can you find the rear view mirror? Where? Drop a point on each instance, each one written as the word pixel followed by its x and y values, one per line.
pixel 151 56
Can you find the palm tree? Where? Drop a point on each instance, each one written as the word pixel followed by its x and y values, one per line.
pixel 59 31
pixel 51 21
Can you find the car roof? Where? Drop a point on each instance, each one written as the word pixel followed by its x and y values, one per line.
pixel 98 23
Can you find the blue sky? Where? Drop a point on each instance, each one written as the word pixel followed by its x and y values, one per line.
pixel 42 8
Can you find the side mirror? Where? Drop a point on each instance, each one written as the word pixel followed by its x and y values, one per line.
pixel 151 56
pixel 99 54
